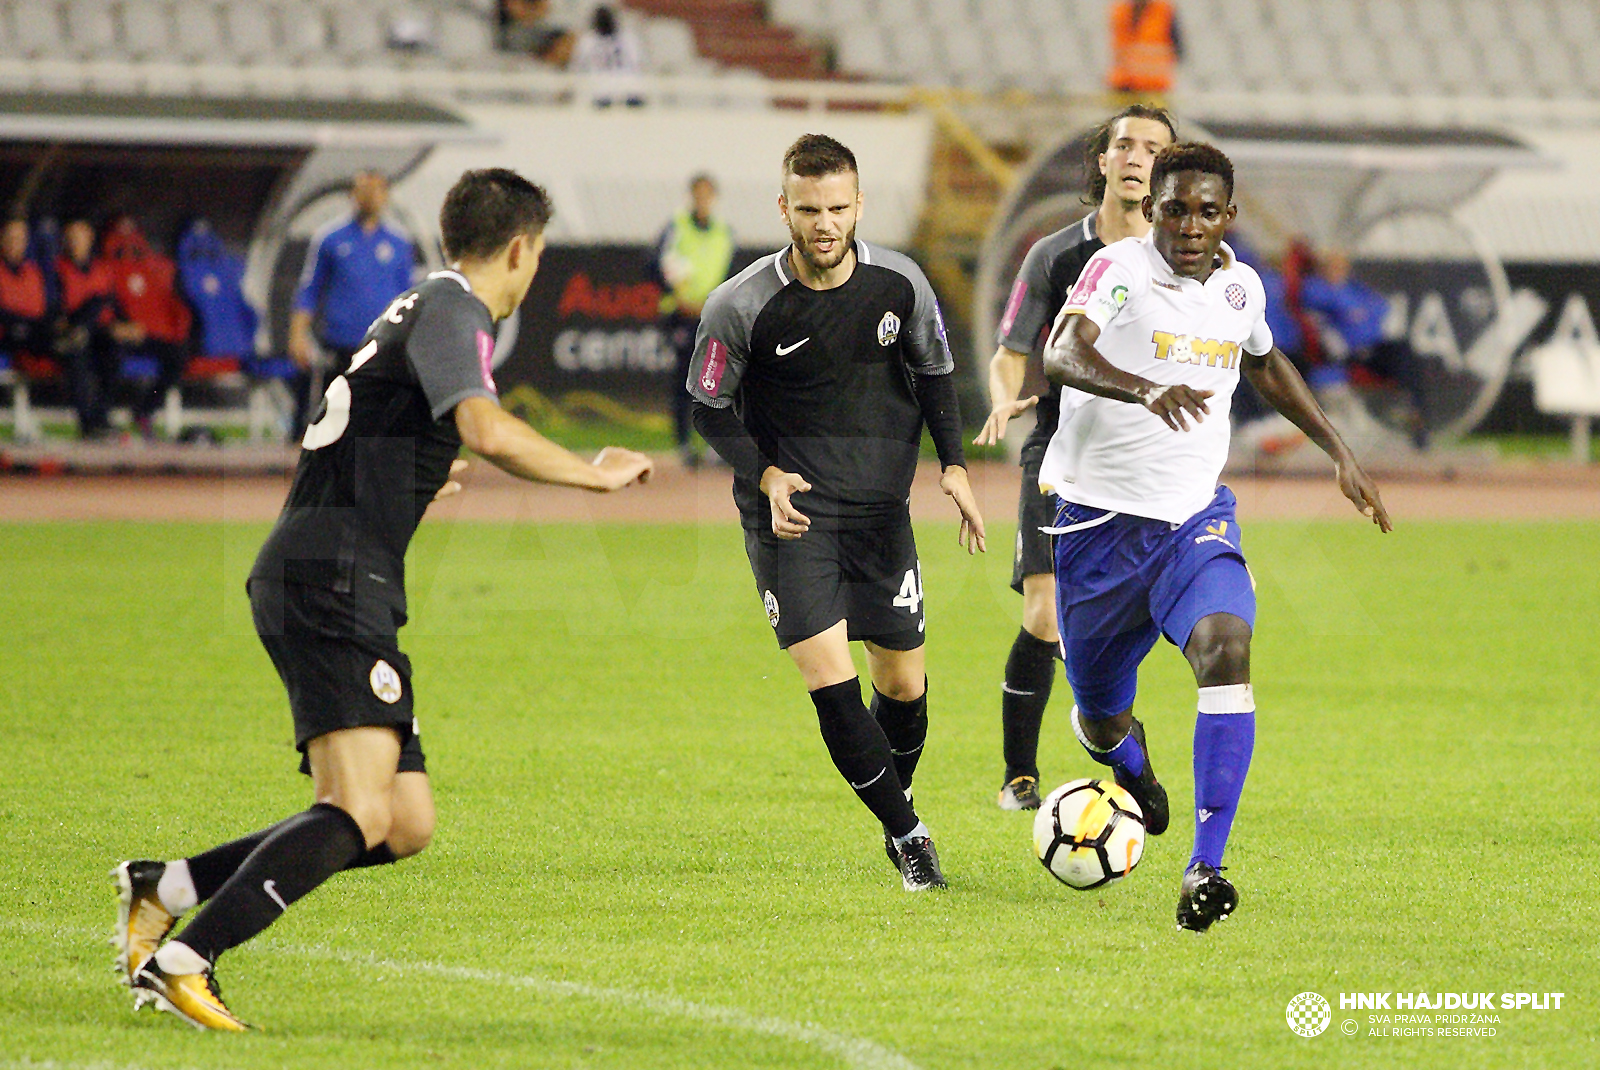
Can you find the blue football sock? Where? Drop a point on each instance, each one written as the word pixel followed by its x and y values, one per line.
pixel 1224 738
pixel 1127 755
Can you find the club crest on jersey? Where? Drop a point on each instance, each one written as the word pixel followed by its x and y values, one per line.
pixel 888 329
pixel 385 682
pixel 770 600
pixel 1187 349
pixel 1235 295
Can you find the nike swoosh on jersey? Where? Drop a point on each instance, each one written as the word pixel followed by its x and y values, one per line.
pixel 785 351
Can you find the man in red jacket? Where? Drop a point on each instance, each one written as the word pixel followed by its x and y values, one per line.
pixel 23 303
pixel 144 283
pixel 90 330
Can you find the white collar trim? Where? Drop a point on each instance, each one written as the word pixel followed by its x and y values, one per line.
pixel 448 274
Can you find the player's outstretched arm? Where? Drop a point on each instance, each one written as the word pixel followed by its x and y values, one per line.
pixel 1071 359
pixel 1280 385
pixel 1006 370
pixel 499 437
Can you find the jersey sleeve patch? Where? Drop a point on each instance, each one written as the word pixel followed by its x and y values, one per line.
pixel 486 358
pixel 716 364
pixel 1079 298
pixel 1019 291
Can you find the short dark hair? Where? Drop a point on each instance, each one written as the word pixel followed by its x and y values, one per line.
pixel 485 209
pixel 815 155
pixel 702 176
pixel 1191 156
pixel 1100 143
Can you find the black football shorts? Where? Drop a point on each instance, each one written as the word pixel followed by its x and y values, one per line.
pixel 1035 554
pixel 339 658
pixel 869 577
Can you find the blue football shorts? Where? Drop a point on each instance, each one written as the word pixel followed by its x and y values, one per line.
pixel 1122 580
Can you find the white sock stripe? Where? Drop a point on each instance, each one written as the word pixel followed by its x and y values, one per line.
pixel 1077 730
pixel 1228 698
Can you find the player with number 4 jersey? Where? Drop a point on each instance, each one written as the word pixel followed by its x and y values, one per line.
pixel 1148 350
pixel 815 371
pixel 328 597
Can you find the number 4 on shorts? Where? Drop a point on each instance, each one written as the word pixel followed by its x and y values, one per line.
pixel 910 596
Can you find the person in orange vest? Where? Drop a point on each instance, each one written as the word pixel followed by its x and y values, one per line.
pixel 1146 46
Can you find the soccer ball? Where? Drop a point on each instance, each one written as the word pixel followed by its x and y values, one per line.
pixel 1089 833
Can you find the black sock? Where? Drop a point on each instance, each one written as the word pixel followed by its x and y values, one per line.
pixel 1030 672
pixel 380 855
pixel 210 870
pixel 905 724
pixel 293 859
pixel 860 752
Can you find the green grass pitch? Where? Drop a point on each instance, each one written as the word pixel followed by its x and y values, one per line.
pixel 646 860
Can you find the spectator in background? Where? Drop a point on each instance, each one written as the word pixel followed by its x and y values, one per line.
pixel 1354 342
pixel 145 285
pixel 527 29
pixel 609 54
pixel 353 269
pixel 90 329
pixel 1146 45
pixel 24 301
pixel 693 256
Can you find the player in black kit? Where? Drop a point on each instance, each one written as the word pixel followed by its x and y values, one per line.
pixel 814 372
pixel 1120 156
pixel 328 596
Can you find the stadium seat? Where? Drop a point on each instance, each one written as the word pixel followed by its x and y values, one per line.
pixel 146 30
pixel 1016 55
pixel 917 56
pixel 1554 72
pixel 1358 66
pixel 197 30
pixel 802 14
pixel 249 30
pixel 37 31
pixel 463 37
pixel 303 30
pixel 669 45
pixel 91 28
pixel 1506 68
pixel 863 50
pixel 1460 68
pixel 1436 20
pixel 358 30
pixel 1389 21
pixel 1532 21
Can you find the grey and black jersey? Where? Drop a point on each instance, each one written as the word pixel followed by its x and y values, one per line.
pixel 382 443
pixel 1048 273
pixel 823 380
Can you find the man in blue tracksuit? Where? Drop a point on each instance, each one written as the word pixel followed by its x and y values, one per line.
pixel 354 268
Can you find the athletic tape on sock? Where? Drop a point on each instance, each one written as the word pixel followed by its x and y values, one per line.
pixel 1077 730
pixel 176 888
pixel 1228 698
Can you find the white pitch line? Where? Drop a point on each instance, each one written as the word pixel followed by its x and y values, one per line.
pixel 858 1053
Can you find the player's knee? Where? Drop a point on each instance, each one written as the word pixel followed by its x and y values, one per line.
pixel 902 688
pixel 411 835
pixel 1039 621
pixel 373 815
pixel 1219 651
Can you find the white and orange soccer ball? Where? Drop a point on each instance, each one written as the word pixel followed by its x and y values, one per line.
pixel 1089 833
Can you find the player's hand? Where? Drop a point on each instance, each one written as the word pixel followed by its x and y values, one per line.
pixel 994 428
pixel 954 483
pixel 300 350
pixel 1176 402
pixel 787 521
pixel 451 485
pixel 1360 489
pixel 619 467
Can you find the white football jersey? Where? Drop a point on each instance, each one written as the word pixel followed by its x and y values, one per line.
pixel 1168 329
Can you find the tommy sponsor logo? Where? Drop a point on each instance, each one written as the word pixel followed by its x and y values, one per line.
pixel 486 359
pixel 1088 280
pixel 385 682
pixel 888 329
pixel 1187 349
pixel 784 351
pixel 1236 296
pixel 716 364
